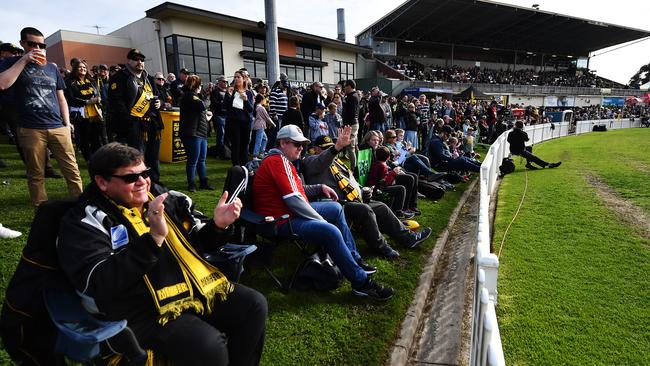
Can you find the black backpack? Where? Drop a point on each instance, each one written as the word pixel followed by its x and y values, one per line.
pixel 318 272
pixel 433 190
pixel 507 166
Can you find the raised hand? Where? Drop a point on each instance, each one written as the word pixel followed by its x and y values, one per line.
pixel 226 213
pixel 157 224
pixel 344 137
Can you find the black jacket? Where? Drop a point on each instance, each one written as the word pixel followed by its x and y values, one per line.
pixel 123 93
pixel 375 111
pixel 216 102
pixel 236 115
pixel 350 112
pixel 78 92
pixel 293 117
pixel 517 139
pixel 308 104
pixel 194 121
pixel 111 273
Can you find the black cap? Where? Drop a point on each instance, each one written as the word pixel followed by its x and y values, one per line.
pixel 447 129
pixel 10 47
pixel 103 67
pixel 134 52
pixel 323 142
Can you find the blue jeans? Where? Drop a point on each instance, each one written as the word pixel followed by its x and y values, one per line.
pixel 260 142
pixel 415 165
pixel 463 163
pixel 196 149
pixel 219 124
pixel 334 236
pixel 412 137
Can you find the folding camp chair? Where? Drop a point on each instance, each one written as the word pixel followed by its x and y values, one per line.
pixel 252 225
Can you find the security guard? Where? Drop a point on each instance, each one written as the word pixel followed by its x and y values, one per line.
pixel 132 102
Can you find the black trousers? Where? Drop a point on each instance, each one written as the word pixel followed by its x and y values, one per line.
pixel 410 182
pixel 232 335
pixel 372 220
pixel 532 158
pixel 239 134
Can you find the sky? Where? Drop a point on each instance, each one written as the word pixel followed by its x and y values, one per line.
pixel 319 17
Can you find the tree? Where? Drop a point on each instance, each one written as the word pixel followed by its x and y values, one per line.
pixel 641 77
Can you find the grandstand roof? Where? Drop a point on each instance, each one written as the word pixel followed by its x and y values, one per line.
pixel 488 24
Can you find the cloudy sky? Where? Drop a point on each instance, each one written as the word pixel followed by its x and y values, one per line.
pixel 318 17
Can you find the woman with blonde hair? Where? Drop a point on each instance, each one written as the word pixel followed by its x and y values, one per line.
pixel 238 103
pixel 194 133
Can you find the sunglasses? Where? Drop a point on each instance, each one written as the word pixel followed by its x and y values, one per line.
pixel 141 59
pixel 133 177
pixel 297 144
pixel 160 78
pixel 35 44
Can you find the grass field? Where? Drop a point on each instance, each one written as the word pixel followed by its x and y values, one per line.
pixel 304 327
pixel 575 267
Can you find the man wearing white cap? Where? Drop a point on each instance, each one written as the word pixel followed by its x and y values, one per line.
pixel 278 190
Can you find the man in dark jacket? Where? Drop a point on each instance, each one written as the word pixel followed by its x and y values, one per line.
pixel 351 118
pixel 376 113
pixel 371 217
pixel 219 112
pixel 311 99
pixel 133 254
pixel 440 156
pixel 517 139
pixel 132 103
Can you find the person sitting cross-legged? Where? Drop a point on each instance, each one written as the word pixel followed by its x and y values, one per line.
pixel 517 139
pixel 278 190
pixel 371 217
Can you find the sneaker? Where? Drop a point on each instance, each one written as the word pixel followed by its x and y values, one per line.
pixel 416 211
pixel 531 167
pixel 374 290
pixel 404 215
pixel 387 252
pixel 50 173
pixel 420 195
pixel 555 165
pixel 418 238
pixel 6 233
pixel 366 267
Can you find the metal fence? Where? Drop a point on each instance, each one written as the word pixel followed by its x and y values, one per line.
pixel 486 346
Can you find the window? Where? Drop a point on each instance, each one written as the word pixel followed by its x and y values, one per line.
pixel 308 52
pixel 253 42
pixel 301 73
pixel 256 69
pixel 343 70
pixel 200 56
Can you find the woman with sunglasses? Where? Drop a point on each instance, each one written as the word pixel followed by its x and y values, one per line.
pixel 85 109
pixel 238 103
pixel 194 133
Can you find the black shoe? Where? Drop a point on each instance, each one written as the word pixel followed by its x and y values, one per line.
pixel 2 164
pixel 374 290
pixel 387 252
pixel 418 238
pixel 366 267
pixel 531 167
pixel 403 215
pixel 191 188
pixel 555 165
pixel 416 211
pixel 207 187
pixel 50 173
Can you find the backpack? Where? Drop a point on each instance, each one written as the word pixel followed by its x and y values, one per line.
pixel 432 190
pixel 318 272
pixel 507 166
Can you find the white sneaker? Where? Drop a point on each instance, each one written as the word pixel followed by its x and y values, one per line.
pixel 6 233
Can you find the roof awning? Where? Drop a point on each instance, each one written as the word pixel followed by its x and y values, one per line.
pixel 261 56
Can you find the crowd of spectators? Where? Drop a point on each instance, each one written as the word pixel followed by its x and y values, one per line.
pixel 481 75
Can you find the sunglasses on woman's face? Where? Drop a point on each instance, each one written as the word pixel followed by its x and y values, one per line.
pixel 133 177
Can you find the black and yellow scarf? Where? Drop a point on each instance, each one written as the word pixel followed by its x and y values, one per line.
pixel 351 194
pixel 180 273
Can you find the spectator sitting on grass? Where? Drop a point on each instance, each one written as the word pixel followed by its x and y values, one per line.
pixel 278 190
pixel 517 139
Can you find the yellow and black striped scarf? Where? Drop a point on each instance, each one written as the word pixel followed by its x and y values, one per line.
pixel 351 194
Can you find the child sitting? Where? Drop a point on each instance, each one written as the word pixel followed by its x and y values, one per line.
pixel 381 177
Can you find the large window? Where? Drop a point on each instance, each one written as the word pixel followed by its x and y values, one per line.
pixel 309 52
pixel 253 42
pixel 301 73
pixel 200 56
pixel 343 70
pixel 256 69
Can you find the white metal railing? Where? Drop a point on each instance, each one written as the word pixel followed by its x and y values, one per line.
pixel 486 346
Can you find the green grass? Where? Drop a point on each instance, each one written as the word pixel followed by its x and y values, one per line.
pixel 312 328
pixel 573 278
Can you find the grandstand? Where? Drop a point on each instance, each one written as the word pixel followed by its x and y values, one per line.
pixel 447 45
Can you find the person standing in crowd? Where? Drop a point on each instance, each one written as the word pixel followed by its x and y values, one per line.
pixel 317 124
pixel 7 110
pixel 376 113
pixel 85 109
pixel 42 114
pixel 311 99
pixel 278 104
pixel 350 118
pixel 277 189
pixel 412 123
pixel 176 88
pixel 177 305
pixel 262 122
pixel 155 126
pixel 517 139
pixel 333 120
pixel 238 103
pixel 102 80
pixel 132 103
pixel 194 133
pixel 292 116
pixel 219 113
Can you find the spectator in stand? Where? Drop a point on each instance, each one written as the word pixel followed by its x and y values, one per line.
pixel 42 114
pixel 238 103
pixel 262 122
pixel 84 102
pixel 194 133
pixel 219 113
pixel 350 118
pixel 292 115
pixel 278 190
pixel 317 124
pixel 311 99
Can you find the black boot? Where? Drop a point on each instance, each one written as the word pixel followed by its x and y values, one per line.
pixel 191 187
pixel 204 185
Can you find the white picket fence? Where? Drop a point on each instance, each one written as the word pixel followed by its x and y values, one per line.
pixel 486 346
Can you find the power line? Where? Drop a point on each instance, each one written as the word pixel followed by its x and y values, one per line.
pixel 623 46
